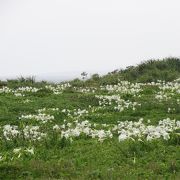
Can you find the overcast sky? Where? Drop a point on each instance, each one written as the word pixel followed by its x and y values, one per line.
pixel 55 36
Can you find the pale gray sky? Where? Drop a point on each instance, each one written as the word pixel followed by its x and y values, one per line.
pixel 55 36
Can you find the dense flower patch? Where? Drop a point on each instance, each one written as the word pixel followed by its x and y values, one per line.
pixel 73 123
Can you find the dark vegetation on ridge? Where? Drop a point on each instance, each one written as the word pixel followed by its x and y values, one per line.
pixel 167 69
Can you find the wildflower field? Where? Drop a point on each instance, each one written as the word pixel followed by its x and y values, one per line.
pixel 123 130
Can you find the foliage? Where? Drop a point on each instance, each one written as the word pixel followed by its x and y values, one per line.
pixel 167 69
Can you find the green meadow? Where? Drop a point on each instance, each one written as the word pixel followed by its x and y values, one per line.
pixel 124 125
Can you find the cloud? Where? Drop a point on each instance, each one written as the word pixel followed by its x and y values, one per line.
pixel 66 36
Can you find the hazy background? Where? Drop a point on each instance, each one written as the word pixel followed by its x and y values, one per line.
pixel 61 38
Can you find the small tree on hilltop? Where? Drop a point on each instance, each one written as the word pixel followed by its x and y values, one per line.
pixel 84 75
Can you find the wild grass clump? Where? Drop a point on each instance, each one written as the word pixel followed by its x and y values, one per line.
pixel 167 69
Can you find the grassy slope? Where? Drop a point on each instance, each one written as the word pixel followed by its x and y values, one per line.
pixel 86 158
pixel 167 69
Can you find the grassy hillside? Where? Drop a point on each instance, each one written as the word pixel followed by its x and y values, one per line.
pixel 167 69
pixel 101 128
